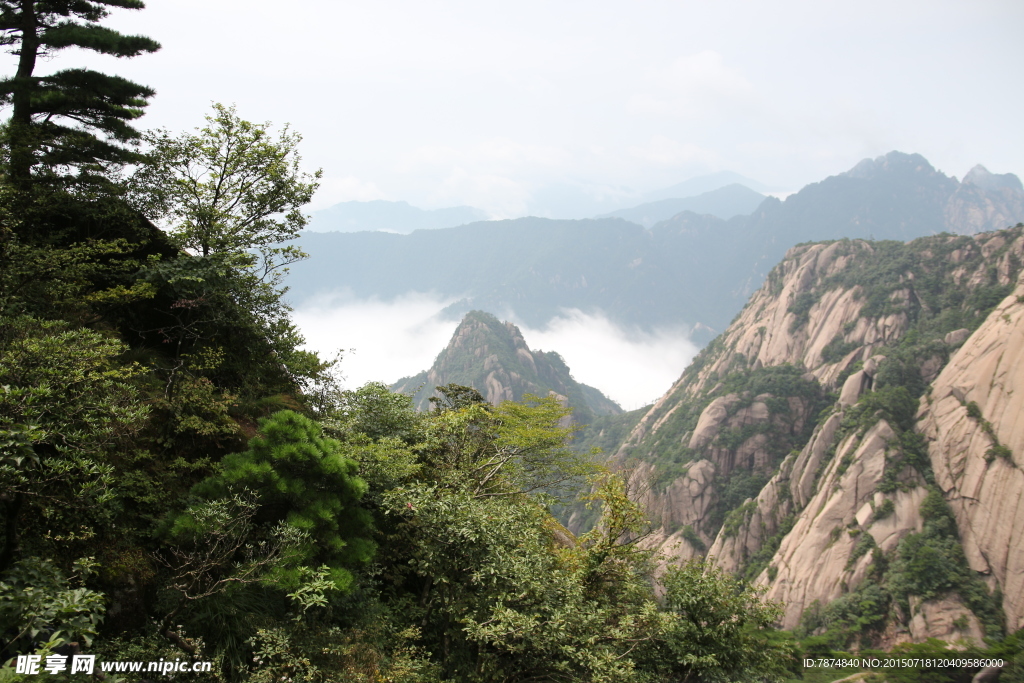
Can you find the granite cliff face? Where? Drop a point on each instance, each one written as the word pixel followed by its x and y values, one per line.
pixel 973 418
pixel 492 357
pixel 852 439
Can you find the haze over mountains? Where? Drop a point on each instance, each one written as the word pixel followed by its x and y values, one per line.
pixel 724 202
pixel 388 216
pixel 693 270
pixel 557 202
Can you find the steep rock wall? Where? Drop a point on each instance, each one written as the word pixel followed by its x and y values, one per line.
pixel 836 313
pixel 981 468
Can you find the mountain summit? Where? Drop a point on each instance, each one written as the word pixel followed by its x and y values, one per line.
pixel 493 358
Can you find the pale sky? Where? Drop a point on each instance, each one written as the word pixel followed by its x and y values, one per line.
pixel 445 102
pixel 498 105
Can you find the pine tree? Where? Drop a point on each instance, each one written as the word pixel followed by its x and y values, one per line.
pixel 73 119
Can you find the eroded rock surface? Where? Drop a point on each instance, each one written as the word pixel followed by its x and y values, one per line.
pixel 979 468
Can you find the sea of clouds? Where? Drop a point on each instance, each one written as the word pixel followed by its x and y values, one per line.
pixel 387 340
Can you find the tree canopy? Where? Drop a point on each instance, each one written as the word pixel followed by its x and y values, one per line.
pixel 73 118
pixel 230 188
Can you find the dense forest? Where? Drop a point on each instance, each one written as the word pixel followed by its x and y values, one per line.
pixel 180 483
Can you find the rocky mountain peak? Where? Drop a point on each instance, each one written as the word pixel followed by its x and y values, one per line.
pixel 981 177
pixel 891 163
pixel 853 439
pixel 492 357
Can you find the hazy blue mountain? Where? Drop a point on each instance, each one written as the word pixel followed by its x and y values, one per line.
pixel 980 176
pixel 493 358
pixel 706 183
pixel 725 202
pixel 398 217
pixel 575 201
pixel 691 269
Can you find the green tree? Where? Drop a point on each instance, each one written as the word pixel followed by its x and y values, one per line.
pixel 39 605
pixel 230 194
pixel 231 188
pixel 305 481
pixel 508 450
pixel 66 406
pixel 720 629
pixel 72 118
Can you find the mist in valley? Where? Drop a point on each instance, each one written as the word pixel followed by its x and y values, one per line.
pixel 385 340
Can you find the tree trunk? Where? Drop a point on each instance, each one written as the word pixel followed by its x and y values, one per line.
pixel 21 133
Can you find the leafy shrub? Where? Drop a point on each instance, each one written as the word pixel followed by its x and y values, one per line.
pixel 693 539
pixel 801 309
pixel 884 510
pixel 837 349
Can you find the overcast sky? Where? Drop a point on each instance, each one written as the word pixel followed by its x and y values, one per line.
pixel 500 104
pixel 444 102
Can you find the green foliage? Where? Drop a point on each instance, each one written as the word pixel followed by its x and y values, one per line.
pixel 496 588
pixel 72 118
pixel 996 450
pixel 884 510
pixel 865 544
pixel 736 489
pixel 932 563
pixel 506 450
pixel 40 606
pixel 932 650
pixel 230 188
pixel 862 611
pixel 999 451
pixel 757 562
pixel 719 628
pixel 375 411
pixel 306 481
pixel 693 539
pixel 65 406
pixel 1011 650
pixel 837 349
pixel 736 518
pixel 894 404
pixel 801 309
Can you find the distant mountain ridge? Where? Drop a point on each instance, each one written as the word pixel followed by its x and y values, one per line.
pixel 701 268
pixel 724 202
pixel 493 358
pixel 706 183
pixel 400 217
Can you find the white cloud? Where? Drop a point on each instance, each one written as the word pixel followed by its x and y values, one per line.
pixel 705 73
pixel 382 341
pixel 398 338
pixel 633 368
pixel 499 195
pixel 665 151
pixel 495 152
pixel 693 86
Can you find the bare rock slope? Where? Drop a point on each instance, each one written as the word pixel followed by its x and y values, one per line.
pixel 973 418
pixel 851 441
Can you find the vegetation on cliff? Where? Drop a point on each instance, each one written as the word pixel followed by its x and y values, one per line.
pixel 825 369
